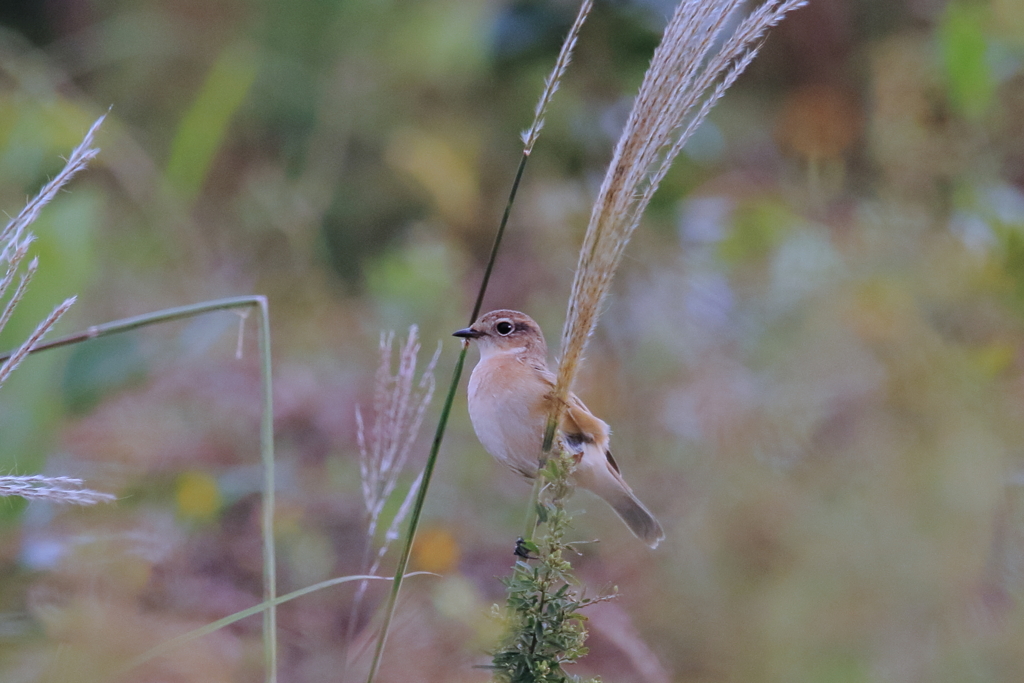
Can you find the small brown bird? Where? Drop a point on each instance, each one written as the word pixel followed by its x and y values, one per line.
pixel 509 400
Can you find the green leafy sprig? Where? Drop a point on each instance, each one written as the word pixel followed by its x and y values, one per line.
pixel 545 627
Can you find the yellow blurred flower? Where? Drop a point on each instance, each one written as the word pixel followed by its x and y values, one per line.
pixel 995 357
pixel 197 495
pixel 436 550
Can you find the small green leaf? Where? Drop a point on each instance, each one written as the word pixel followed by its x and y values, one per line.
pixel 542 514
pixel 203 128
pixel 969 81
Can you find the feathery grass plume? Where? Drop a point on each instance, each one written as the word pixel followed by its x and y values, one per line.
pixel 553 80
pixel 529 138
pixel 14 243
pixel 399 405
pixel 398 408
pixel 56 489
pixel 14 232
pixel 17 255
pixel 683 82
pixel 22 351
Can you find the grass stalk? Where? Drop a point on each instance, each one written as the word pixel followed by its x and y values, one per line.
pixel 165 315
pixel 689 72
pixel 442 425
pixel 269 607
pixel 529 140
pixel 530 519
pixel 174 643
pixel 269 498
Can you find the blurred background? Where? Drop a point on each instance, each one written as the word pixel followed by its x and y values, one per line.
pixel 813 358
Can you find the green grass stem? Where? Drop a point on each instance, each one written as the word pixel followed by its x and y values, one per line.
pixel 529 139
pixel 266 433
pixel 435 447
pixel 530 520
pixel 185 638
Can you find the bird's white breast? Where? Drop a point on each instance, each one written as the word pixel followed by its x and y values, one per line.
pixel 506 408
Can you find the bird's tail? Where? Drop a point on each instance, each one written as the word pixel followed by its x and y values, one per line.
pixel 637 517
pixel 598 472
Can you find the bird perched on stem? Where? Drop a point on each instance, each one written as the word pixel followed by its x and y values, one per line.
pixel 510 399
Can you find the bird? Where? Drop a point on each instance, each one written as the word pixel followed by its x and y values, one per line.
pixel 510 397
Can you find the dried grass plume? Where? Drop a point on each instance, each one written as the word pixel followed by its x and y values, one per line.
pixel 15 240
pixel 553 80
pixel 685 79
pixel 55 489
pixel 399 404
pixel 14 243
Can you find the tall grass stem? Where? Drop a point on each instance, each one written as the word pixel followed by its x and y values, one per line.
pixel 529 139
pixel 174 643
pixel 266 432
pixel 269 494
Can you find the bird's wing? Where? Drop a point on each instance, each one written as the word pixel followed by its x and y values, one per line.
pixel 578 424
pixel 577 419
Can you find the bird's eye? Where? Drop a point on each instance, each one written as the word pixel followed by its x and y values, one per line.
pixel 504 328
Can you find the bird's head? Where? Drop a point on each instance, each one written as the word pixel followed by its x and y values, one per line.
pixel 505 331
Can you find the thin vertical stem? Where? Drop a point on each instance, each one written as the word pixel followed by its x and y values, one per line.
pixel 529 140
pixel 497 239
pixel 421 494
pixel 269 488
pixel 530 521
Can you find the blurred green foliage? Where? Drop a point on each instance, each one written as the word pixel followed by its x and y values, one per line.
pixel 99 367
pixel 202 129
pixel 965 57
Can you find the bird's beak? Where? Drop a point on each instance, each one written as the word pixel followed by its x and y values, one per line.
pixel 467 333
